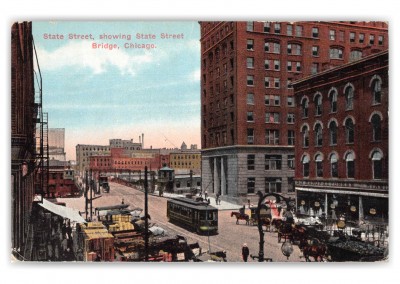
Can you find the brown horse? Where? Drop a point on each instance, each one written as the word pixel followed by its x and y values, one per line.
pixel 240 216
pixel 317 250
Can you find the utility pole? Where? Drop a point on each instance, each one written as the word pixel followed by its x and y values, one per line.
pixel 91 194
pixel 146 221
pixel 86 194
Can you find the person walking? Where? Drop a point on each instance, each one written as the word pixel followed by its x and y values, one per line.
pixel 205 194
pixel 217 198
pixel 245 252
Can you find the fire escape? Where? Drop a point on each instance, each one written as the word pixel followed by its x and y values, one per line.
pixel 41 159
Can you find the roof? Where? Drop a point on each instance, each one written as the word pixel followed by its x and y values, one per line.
pixel 166 169
pixel 341 67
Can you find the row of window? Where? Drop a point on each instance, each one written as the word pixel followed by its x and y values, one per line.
pixel 218 35
pixel 272 162
pixel 178 157
pixel 271 117
pixel 349 161
pixel 348 92
pixel 272 184
pixel 275 28
pixel 270 64
pixel 349 127
pixel 271 100
pixel 335 52
pixel 271 137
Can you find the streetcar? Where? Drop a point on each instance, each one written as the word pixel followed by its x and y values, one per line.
pixel 194 215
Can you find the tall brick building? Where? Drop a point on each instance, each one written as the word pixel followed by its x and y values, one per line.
pixel 247 104
pixel 342 158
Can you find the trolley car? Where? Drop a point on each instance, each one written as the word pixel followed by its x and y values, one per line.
pixel 193 215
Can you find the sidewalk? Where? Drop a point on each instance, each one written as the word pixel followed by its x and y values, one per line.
pixel 223 206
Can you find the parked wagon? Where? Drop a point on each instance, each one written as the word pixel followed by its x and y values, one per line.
pixel 349 250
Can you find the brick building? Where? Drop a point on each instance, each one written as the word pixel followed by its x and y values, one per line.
pixel 342 128
pixel 186 159
pixel 247 104
pixel 23 140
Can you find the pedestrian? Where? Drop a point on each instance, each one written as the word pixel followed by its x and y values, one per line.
pixel 205 194
pixel 245 252
pixel 217 198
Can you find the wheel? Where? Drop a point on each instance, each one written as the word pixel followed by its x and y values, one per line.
pixel 279 237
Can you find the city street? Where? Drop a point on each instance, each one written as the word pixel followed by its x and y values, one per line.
pixel 230 238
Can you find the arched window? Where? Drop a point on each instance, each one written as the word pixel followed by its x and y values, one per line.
pixel 350 164
pixel 349 95
pixel 318 134
pixel 304 132
pixel 377 165
pixel 318 104
pixel 349 129
pixel 334 165
pixel 333 100
pixel 304 107
pixel 306 165
pixel 332 133
pixel 318 163
pixel 376 91
pixel 376 127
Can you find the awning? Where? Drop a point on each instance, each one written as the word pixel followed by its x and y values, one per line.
pixel 62 211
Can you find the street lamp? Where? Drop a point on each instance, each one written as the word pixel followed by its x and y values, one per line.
pixel 287 247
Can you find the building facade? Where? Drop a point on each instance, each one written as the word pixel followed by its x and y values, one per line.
pixel 83 154
pixel 186 159
pixel 23 140
pixel 247 103
pixel 57 144
pixel 342 129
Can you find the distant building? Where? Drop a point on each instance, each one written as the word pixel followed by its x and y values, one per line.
pixel 342 140
pixel 186 159
pixel 57 144
pixel 84 152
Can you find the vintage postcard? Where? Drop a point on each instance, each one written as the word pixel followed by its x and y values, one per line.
pixel 200 141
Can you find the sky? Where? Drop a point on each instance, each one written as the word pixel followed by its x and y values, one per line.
pixel 97 93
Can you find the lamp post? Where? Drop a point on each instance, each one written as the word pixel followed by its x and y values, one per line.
pixel 286 248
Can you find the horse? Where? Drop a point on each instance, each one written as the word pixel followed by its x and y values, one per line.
pixel 240 216
pixel 317 250
pixel 267 223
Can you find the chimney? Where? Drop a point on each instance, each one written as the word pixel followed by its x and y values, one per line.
pixel 142 141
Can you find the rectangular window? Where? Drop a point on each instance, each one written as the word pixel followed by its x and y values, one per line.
pixel 291 137
pixel 341 36
pixel 266 82
pixel 267 27
pixel 277 65
pixel 380 40
pixel 352 37
pixel 250 26
pixel 290 101
pixel 250 136
pixel 336 53
pixel 315 32
pixel 272 137
pixel 299 31
pixel 289 84
pixel 298 66
pixel 250 116
pixel 250 162
pixel 250 62
pixel 361 38
pixel 289 66
pixel 272 117
pixel 273 162
pixel 277 100
pixel 290 118
pixel 273 185
pixel 332 34
pixel 251 185
pixel 315 51
pixel 267 46
pixel 267 64
pixel 277 47
pixel 250 80
pixel 289 30
pixel 314 68
pixel 250 44
pixel 250 99
pixel 277 28
pixel 277 83
pixel 291 187
pixel 371 39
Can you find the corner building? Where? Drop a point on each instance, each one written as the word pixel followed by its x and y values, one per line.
pixel 247 103
pixel 342 158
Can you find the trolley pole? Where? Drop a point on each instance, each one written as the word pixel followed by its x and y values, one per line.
pixel 91 195
pixel 146 221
